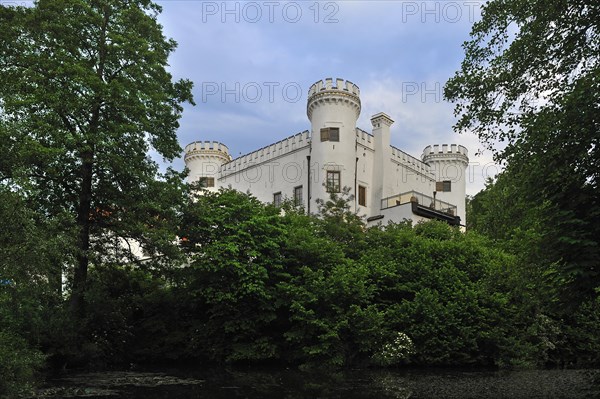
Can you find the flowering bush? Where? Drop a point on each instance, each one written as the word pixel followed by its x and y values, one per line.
pixel 396 351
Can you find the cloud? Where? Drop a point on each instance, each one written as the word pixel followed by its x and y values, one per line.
pixel 400 53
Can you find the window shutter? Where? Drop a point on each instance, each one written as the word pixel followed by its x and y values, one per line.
pixel 334 134
pixel 362 196
pixel 439 186
pixel 325 134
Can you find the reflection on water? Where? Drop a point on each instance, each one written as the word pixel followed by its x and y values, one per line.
pixel 364 384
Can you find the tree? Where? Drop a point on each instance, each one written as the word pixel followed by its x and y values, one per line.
pixel 340 224
pixel 233 245
pixel 84 95
pixel 531 78
pixel 28 249
pixel 453 294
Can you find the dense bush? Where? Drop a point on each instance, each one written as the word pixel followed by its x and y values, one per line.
pixel 325 291
pixel 28 290
pixel 267 284
pixel 264 284
pixel 18 364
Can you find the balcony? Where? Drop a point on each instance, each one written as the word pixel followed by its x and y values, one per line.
pixel 423 205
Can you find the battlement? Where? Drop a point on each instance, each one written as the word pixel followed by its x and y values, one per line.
pixel 326 92
pixel 287 145
pixel 445 152
pixel 411 162
pixel 199 148
pixel 206 145
pixel 445 149
pixel 328 84
pixel 364 138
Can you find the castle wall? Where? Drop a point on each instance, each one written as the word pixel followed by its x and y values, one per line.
pixel 365 152
pixel 398 214
pixel 411 174
pixel 270 152
pixel 279 167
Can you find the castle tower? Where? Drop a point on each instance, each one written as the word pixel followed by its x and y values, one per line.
pixel 333 109
pixel 381 135
pixel 449 165
pixel 204 160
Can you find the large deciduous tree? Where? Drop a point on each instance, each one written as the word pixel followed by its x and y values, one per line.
pixel 531 79
pixel 85 95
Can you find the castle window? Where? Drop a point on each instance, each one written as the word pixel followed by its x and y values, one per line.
pixel 298 195
pixel 362 196
pixel 333 181
pixel 330 134
pixel 277 199
pixel 445 185
pixel 334 134
pixel 207 182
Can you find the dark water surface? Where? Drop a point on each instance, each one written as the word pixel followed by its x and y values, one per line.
pixel 293 384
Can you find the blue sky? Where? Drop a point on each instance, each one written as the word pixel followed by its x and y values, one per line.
pixel 252 64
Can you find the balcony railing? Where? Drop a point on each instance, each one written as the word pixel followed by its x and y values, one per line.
pixel 421 199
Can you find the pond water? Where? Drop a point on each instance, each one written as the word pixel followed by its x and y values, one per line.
pixel 354 384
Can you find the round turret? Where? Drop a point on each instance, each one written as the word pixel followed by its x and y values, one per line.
pixel 344 94
pixel 333 107
pixel 452 152
pixel 449 165
pixel 204 160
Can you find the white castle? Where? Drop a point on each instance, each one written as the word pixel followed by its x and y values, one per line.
pixel 386 183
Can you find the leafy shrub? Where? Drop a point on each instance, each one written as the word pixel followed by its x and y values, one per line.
pixel 18 365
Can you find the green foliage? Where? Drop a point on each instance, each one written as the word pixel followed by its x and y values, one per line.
pixel 262 284
pixel 438 286
pixel 288 287
pixel 581 344
pixel 29 288
pixel 523 57
pixel 531 78
pixel 340 224
pixel 232 242
pixel 85 95
pixel 18 364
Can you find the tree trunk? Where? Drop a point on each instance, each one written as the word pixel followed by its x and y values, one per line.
pixel 83 243
pixel 85 196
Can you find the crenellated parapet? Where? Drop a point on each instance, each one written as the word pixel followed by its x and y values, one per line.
pixel 364 138
pixel 285 146
pixel 207 149
pixel 411 162
pixel 446 152
pixel 328 84
pixel 329 91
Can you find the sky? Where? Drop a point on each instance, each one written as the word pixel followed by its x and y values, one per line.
pixel 252 64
